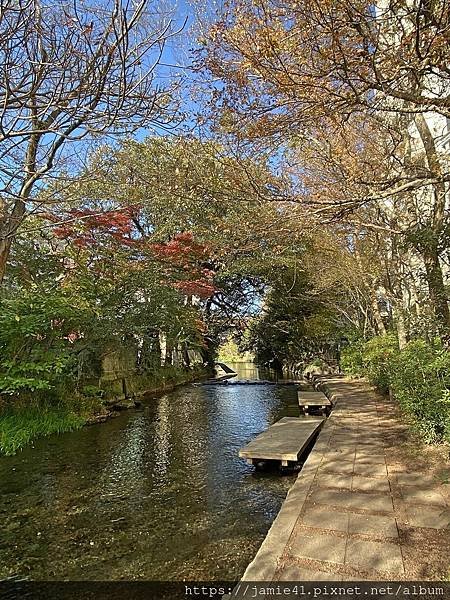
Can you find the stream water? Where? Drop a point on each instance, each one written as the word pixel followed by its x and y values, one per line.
pixel 157 493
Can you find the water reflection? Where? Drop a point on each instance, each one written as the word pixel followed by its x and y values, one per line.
pixel 246 370
pixel 124 471
pixel 162 439
pixel 158 493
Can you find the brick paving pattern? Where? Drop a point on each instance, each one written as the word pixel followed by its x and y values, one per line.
pixel 342 517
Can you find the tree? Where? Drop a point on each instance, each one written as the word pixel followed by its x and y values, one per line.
pixel 295 324
pixel 74 295
pixel 286 64
pixel 197 217
pixel 361 92
pixel 71 72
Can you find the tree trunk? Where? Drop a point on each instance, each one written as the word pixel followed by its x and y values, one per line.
pixel 381 329
pixel 186 357
pixel 8 228
pixel 401 328
pixel 430 249
pixel 5 247
pixel 169 352
pixel 151 351
pixel 208 353
pixel 436 287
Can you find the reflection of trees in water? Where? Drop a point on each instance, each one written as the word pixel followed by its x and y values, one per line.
pixel 125 471
pixel 192 413
pixel 176 463
pixel 240 412
pixel 162 439
pixel 250 370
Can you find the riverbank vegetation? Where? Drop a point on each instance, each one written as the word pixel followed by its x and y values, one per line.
pixel 418 376
pixel 304 215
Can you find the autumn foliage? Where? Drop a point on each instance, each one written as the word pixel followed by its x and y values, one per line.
pixel 85 227
pixel 185 257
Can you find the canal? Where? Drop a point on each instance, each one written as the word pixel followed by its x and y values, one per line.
pixel 157 493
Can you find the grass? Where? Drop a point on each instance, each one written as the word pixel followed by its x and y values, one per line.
pixel 18 428
pixel 35 417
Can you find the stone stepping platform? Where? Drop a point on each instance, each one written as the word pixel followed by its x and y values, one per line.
pixel 313 400
pixel 284 441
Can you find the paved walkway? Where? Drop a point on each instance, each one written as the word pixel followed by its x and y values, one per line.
pixel 356 511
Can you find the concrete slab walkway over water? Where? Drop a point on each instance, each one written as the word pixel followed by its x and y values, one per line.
pixel 355 512
pixel 285 440
pixel 315 400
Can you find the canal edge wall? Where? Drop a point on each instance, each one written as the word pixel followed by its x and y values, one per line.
pixel 266 561
pixel 111 407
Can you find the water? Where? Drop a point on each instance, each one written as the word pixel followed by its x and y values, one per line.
pixel 155 494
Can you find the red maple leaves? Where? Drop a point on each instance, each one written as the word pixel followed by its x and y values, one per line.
pixel 180 249
pixel 182 257
pixel 185 257
pixel 197 287
pixel 87 227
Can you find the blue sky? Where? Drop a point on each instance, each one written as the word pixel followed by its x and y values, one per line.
pixel 177 60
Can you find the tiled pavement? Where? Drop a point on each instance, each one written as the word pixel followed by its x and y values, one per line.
pixel 342 517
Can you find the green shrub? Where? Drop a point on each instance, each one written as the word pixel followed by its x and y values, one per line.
pixel 418 375
pixel 445 402
pixel 420 378
pixel 39 331
pixel 92 391
pixel 378 354
pixel 352 359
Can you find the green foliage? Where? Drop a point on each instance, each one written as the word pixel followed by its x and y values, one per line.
pixel 18 428
pixel 352 358
pixel 35 347
pixel 373 359
pixel 420 381
pixel 378 355
pixel 295 326
pixel 92 391
pixel 317 363
pixel 230 352
pixel 418 376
